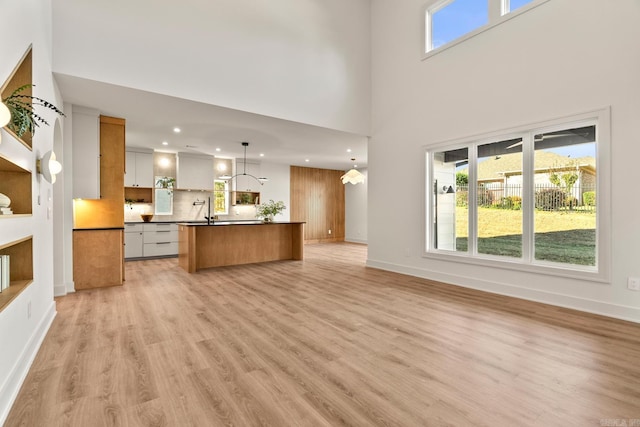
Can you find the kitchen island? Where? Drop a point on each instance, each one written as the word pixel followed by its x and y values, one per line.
pixel 228 243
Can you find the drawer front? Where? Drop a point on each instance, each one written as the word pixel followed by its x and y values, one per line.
pixel 160 236
pixel 160 249
pixel 160 227
pixel 130 228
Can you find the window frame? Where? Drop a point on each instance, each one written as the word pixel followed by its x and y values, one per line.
pixel 498 14
pixel 226 196
pixel 601 272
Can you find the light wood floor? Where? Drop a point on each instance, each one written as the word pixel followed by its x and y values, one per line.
pixel 323 342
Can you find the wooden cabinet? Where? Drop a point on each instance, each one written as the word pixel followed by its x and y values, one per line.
pixel 139 169
pixel 85 153
pixel 98 258
pixel 108 211
pixel 98 246
pixel 247 183
pixel 195 172
pixel 133 241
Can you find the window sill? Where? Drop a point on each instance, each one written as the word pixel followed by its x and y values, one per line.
pixel 571 271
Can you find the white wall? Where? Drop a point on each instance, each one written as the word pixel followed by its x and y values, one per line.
pixel 21 334
pixel 355 206
pixel 278 187
pixel 301 60
pixel 561 58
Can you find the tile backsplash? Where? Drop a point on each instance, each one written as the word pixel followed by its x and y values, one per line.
pixel 185 210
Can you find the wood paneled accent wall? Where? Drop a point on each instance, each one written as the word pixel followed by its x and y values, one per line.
pixel 109 210
pixel 317 198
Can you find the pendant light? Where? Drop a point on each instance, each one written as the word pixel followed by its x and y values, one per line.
pixel 353 176
pixel 261 180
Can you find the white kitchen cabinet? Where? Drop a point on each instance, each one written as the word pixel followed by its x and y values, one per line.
pixel 160 239
pixel 247 183
pixel 195 172
pixel 85 134
pixel 139 169
pixel 133 240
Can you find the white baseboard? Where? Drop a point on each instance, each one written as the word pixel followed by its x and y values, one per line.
pixel 617 311
pixel 352 240
pixel 59 290
pixel 9 390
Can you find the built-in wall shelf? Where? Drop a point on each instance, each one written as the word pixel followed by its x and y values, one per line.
pixel 138 194
pixel 15 183
pixel 21 75
pixel 21 268
pixel 245 198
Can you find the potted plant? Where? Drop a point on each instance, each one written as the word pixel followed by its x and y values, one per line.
pixel 166 182
pixel 268 210
pixel 23 118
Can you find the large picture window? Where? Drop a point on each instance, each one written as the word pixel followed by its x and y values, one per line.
pixel 530 197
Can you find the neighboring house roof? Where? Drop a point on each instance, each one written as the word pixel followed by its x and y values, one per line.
pixel 496 168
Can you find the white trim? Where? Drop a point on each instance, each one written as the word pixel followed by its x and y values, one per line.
pixel 429 9
pixel 601 273
pixel 9 390
pixel 623 312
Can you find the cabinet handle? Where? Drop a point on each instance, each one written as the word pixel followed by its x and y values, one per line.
pixel 162 243
pixel 163 231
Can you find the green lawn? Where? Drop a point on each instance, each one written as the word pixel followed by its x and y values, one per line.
pixel 567 237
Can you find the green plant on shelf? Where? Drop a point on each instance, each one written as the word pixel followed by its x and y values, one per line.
pixel 23 118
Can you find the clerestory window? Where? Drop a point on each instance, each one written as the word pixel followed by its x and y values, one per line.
pixel 449 22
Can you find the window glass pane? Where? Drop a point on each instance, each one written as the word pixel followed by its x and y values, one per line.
pixel 515 4
pixel 499 196
pixel 457 19
pixel 565 190
pixel 450 191
pixel 220 197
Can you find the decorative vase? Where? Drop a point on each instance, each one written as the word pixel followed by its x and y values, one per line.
pixel 5 201
pixel 268 219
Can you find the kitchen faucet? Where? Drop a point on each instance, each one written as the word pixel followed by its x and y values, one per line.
pixel 209 218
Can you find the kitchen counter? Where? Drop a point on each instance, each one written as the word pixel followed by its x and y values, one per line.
pixel 224 243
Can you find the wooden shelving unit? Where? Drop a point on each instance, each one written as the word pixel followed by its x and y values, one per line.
pixel 138 194
pixel 245 198
pixel 21 264
pixel 21 75
pixel 15 182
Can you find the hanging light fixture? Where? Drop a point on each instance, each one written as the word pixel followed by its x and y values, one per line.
pixel 261 180
pixel 353 176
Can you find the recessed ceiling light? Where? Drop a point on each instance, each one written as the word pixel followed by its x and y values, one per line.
pixel 261 154
pixel 306 160
pixel 165 143
pixel 348 150
pixel 176 130
pixel 218 149
pixel 355 166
